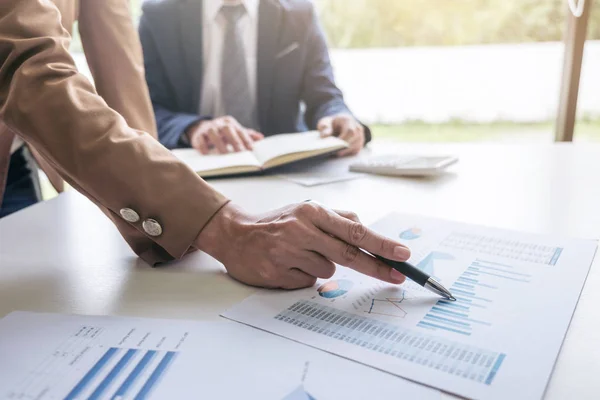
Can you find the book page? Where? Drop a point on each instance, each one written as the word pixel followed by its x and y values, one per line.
pixel 206 165
pixel 293 143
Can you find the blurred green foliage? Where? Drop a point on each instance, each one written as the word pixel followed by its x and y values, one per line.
pixel 398 23
pixel 462 131
pixel 395 23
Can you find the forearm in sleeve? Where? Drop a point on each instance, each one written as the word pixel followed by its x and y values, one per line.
pixel 44 100
pixel 114 54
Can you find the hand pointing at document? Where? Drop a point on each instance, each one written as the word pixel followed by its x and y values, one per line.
pixel 291 247
pixel 160 206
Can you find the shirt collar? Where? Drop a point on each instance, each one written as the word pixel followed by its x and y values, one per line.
pixel 212 8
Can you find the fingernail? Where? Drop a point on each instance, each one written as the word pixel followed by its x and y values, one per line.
pixel 401 253
pixel 397 276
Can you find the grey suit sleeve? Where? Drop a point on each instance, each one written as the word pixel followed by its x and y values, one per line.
pixel 171 124
pixel 319 92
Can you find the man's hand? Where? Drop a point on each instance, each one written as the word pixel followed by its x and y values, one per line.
pixel 224 134
pixel 347 128
pixel 291 247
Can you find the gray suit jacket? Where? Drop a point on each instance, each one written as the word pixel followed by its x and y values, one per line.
pixel 293 67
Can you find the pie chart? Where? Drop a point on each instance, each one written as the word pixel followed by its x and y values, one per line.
pixel 411 234
pixel 335 288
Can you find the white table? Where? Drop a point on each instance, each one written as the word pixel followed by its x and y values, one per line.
pixel 65 256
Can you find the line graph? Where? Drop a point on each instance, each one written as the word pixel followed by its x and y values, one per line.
pixel 388 306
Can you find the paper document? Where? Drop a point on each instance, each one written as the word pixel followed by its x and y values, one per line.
pixel 49 356
pixel 516 294
pixel 320 171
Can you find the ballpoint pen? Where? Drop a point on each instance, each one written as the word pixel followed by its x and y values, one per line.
pixel 419 277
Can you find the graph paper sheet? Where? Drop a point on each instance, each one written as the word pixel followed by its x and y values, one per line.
pixel 49 356
pixel 516 294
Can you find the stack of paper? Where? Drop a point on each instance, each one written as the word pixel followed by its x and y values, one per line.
pixel 516 294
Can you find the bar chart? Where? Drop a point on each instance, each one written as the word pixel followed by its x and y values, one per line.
pixel 472 290
pixel 83 367
pixel 516 293
pixel 137 383
pixel 437 353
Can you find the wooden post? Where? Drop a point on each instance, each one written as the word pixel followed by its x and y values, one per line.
pixel 573 56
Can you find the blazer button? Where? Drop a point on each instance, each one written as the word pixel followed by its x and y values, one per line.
pixel 129 215
pixel 152 227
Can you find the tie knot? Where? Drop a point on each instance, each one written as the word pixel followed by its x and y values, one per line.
pixel 232 13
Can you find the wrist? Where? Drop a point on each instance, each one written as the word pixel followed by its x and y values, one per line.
pixel 217 236
pixel 188 134
pixel 196 127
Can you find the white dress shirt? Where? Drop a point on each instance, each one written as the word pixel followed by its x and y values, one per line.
pixel 16 144
pixel 213 30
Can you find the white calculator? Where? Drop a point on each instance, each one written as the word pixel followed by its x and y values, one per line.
pixel 404 165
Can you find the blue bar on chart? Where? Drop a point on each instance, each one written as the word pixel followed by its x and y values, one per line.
pixel 471 290
pixel 113 374
pixel 156 375
pixel 428 351
pixel 117 374
pixel 91 374
pixel 134 375
pixel 557 252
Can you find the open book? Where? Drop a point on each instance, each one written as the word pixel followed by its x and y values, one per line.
pixel 270 152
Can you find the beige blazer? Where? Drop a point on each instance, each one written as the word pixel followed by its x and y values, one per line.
pixel 114 56
pixel 78 131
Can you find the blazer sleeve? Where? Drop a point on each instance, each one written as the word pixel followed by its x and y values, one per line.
pixel 171 124
pixel 114 54
pixel 48 103
pixel 320 93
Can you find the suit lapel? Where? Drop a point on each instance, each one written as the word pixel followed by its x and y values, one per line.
pixel 191 40
pixel 269 24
